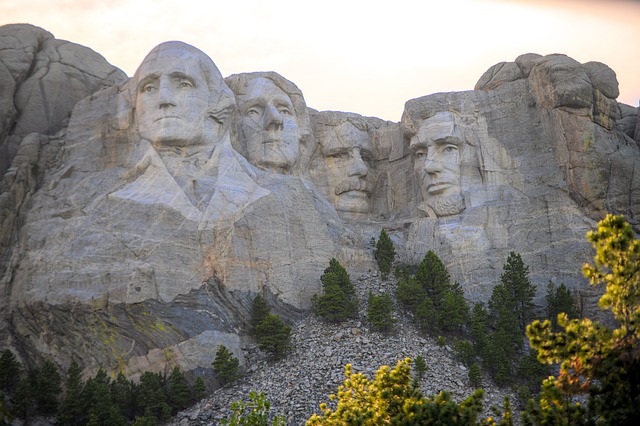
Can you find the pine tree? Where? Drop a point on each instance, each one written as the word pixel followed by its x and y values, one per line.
pixel 420 366
pixel 225 365
pixel 22 399
pixel 433 276
pixel 274 336
pixel 199 390
pixel 391 398
pixel 519 290
pixel 478 326
pixel 427 316
pixel 152 396
pixel 594 359
pixel 46 381
pixel 10 369
pixel 179 391
pixel 559 300
pixel 385 254
pixel 259 311
pixel 410 293
pixel 380 312
pixel 100 407
pixel 464 351
pixel 338 301
pixel 73 410
pixel 124 395
pixel 505 341
pixel 454 312
pixel 475 376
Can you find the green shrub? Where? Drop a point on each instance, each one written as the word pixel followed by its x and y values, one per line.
pixel 254 413
pixel 420 366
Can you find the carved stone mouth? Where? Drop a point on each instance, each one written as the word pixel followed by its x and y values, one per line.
pixel 434 188
pixel 352 185
pixel 166 117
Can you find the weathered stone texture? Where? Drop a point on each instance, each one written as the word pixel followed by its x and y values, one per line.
pixel 143 246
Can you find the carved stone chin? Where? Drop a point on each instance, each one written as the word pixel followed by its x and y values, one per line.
pixel 444 205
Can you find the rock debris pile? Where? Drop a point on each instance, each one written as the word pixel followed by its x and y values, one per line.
pixel 314 369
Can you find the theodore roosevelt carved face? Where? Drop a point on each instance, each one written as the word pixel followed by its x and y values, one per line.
pixel 347 153
pixel 268 125
pixel 437 150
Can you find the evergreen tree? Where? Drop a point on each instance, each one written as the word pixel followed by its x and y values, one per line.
pixel 505 341
pixel 595 360
pixel 342 276
pixel 10 369
pixel 427 316
pixel 380 312
pixel 72 410
pixel 475 376
pixel 274 336
pixel 559 300
pixel 199 390
pixel 454 313
pixel 100 408
pixel 179 391
pixel 259 311
pixel 338 301
pixel 5 416
pixel 519 290
pixel 385 254
pixel 433 276
pixel 22 399
pixel 46 382
pixel 124 395
pixel 152 397
pixel 464 351
pixel 420 366
pixel 410 293
pixel 478 326
pixel 391 398
pixel 225 365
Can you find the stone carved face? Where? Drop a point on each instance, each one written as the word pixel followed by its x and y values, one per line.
pixel 268 124
pixel 177 98
pixel 437 150
pixel 347 154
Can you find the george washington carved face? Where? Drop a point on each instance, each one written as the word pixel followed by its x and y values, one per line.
pixel 179 93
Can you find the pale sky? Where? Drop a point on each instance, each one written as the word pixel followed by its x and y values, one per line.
pixel 367 57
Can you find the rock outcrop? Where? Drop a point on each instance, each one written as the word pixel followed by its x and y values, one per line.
pixel 135 235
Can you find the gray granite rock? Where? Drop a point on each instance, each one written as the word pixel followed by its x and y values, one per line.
pixel 138 233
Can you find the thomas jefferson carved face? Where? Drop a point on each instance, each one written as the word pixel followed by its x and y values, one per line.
pixel 269 125
pixel 437 150
pixel 174 102
pixel 347 152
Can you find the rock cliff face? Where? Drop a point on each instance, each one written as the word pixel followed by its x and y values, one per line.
pixel 136 233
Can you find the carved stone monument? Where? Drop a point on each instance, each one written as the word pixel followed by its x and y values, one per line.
pixel 139 230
